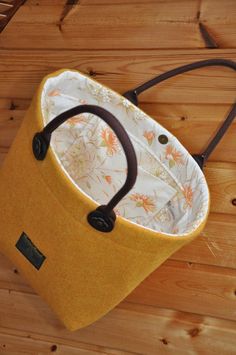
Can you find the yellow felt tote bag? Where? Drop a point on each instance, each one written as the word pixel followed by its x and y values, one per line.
pixel 95 195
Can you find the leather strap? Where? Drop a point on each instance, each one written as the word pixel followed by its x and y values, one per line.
pixel 101 219
pixel 132 95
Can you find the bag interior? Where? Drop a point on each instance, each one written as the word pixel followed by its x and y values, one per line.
pixel 170 194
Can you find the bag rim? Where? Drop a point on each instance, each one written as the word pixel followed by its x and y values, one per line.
pixel 83 197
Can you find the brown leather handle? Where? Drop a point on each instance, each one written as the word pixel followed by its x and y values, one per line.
pixel 103 217
pixel 132 95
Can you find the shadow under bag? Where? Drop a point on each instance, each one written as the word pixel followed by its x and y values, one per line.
pixel 95 194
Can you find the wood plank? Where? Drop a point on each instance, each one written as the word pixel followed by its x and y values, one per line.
pixel 160 4
pixel 15 345
pixel 215 246
pixel 224 34
pixel 109 36
pixel 45 2
pixel 200 278
pixel 110 24
pixel 179 285
pixel 13 340
pixel 177 19
pixel 129 327
pixel 221 178
pixel 191 288
pixel 11 278
pixel 181 11
pixel 13 104
pixel 219 19
pixel 216 11
pixel 20 73
pixel 10 122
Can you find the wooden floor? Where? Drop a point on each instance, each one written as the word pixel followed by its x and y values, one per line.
pixel 188 305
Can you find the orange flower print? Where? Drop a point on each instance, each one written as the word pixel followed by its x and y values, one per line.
pixel 173 155
pixel 73 121
pixel 109 141
pixel 149 135
pixel 108 179
pixel 55 92
pixel 82 101
pixel 188 195
pixel 143 201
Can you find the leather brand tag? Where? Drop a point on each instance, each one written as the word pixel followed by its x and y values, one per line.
pixel 30 251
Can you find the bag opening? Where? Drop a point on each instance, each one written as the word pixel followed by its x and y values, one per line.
pixel 170 195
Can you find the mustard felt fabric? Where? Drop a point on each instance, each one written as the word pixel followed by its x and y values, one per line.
pixel 86 272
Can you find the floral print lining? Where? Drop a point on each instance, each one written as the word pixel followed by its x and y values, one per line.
pixel 170 194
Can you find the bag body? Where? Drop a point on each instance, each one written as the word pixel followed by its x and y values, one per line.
pixel 81 272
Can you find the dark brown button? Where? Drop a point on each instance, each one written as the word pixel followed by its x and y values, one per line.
pixel 163 139
pixel 234 202
pixel 101 221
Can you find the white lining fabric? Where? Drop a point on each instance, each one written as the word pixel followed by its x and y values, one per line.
pixel 170 194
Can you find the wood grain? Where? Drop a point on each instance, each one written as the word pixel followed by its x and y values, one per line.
pixel 215 246
pixel 110 24
pixel 14 341
pixel 170 331
pixel 183 286
pixel 220 21
pixel 30 345
pixel 122 44
pixel 221 178
pixel 21 73
pixel 212 11
pixel 172 24
pixel 189 287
